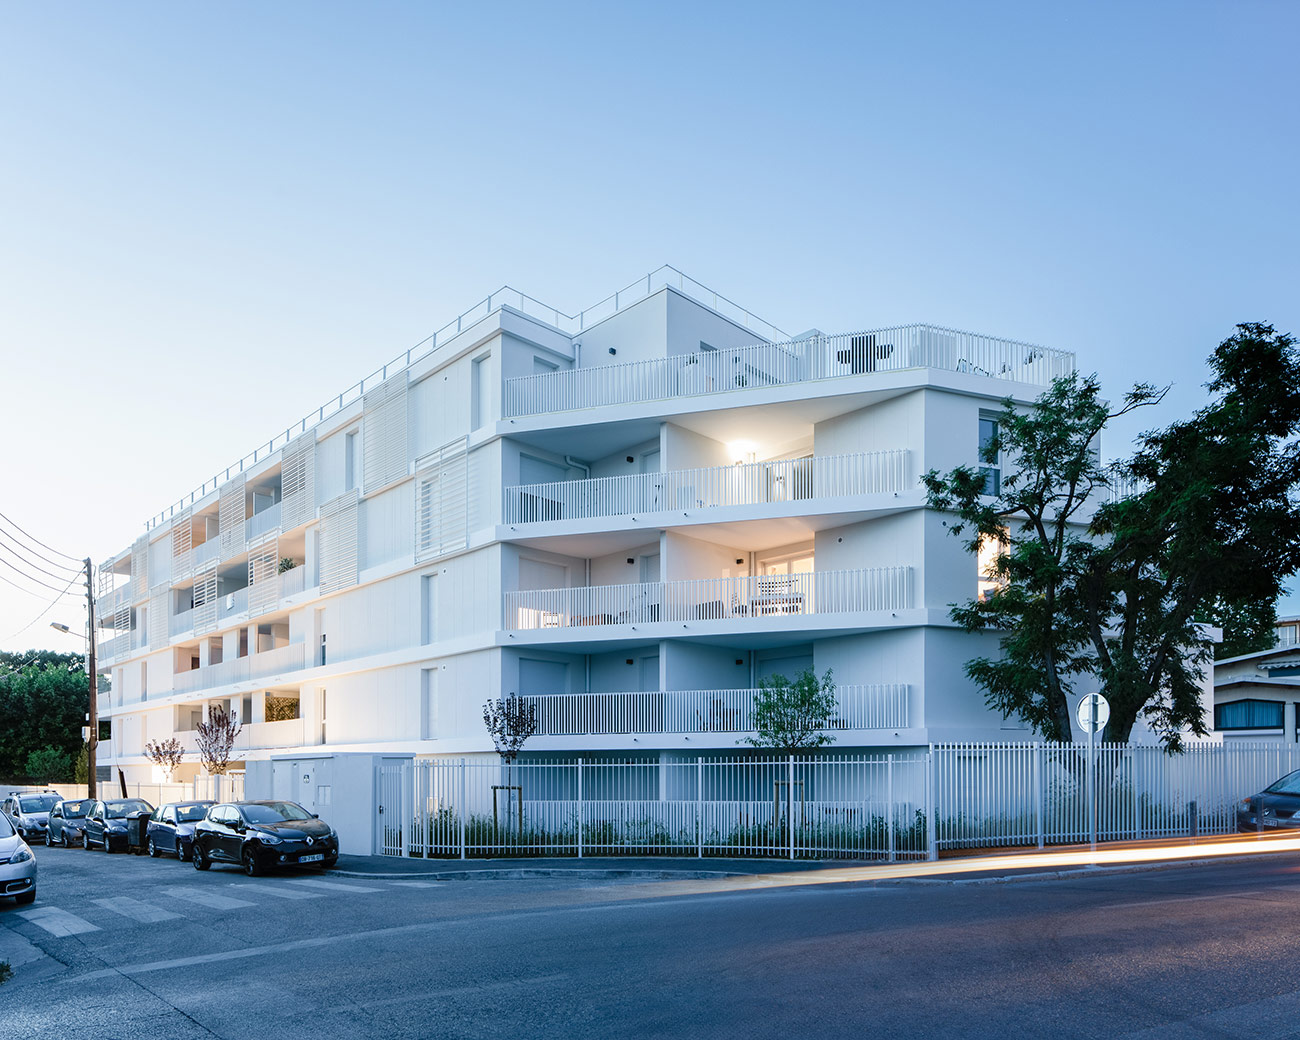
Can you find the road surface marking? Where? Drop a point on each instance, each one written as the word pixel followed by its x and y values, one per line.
pixel 136 910
pixel 417 884
pixel 57 922
pixel 332 886
pixel 204 898
pixel 455 991
pixel 283 893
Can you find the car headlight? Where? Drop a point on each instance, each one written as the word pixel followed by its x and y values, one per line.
pixel 1245 805
pixel 22 855
pixel 267 839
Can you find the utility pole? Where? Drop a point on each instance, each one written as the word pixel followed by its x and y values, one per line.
pixel 92 736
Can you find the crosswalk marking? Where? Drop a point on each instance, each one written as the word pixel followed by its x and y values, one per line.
pixel 136 910
pixel 57 922
pixel 284 893
pixel 332 886
pixel 417 884
pixel 193 894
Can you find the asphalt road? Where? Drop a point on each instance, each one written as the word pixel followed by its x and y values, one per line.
pixel 128 947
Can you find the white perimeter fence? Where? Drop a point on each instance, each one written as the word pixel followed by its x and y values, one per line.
pixel 229 787
pixel 909 805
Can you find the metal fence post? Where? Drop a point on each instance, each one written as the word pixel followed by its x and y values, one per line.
pixel 463 808
pixel 789 805
pixel 699 807
pixel 931 820
pixel 579 808
pixel 404 804
pixel 1038 792
pixel 889 799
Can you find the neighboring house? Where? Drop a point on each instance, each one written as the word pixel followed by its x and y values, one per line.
pixel 1288 631
pixel 1255 695
pixel 630 516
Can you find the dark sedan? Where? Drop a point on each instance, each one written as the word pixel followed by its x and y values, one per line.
pixel 106 822
pixel 262 835
pixel 67 821
pixel 171 828
pixel 1277 807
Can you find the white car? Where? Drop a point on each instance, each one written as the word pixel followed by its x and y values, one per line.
pixel 17 865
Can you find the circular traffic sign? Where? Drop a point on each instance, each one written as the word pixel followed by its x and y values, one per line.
pixel 1092 713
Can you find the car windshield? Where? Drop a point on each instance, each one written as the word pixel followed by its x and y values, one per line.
pixel 76 810
pixel 1289 784
pixel 274 812
pixel 38 802
pixel 190 813
pixel 119 810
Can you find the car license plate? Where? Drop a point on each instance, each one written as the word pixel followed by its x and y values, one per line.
pixel 1269 821
pixel 315 857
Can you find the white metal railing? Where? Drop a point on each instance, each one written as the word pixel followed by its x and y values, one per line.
pixel 753 483
pixel 232 603
pixel 703 711
pixel 182 622
pixel 256 666
pixel 293 581
pixel 206 551
pixel 778 364
pixel 108 649
pixel 698 599
pixel 503 297
pixel 260 523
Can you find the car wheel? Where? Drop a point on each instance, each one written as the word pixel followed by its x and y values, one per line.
pixel 153 849
pixel 108 844
pixel 26 897
pixel 182 851
pixel 251 866
pixel 201 861
pixel 48 842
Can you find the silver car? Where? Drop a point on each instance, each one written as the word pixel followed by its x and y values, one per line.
pixel 30 812
pixel 17 865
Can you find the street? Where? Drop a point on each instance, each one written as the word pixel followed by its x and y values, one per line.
pixel 125 946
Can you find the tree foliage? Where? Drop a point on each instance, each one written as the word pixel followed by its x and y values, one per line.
pixel 165 754
pixel 43 701
pixel 792 714
pixel 1116 591
pixel 510 721
pixel 216 737
pixel 49 765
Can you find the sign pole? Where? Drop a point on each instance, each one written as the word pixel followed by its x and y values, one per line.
pixel 1092 776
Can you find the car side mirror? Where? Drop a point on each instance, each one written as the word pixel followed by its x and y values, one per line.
pixel 314 816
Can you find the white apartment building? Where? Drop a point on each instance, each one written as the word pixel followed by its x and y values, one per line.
pixel 630 515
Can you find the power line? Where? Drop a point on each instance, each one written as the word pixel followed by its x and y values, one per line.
pixel 48 607
pixel 33 538
pixel 27 549
pixel 29 563
pixel 52 588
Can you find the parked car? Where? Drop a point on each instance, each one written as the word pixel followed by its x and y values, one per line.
pixel 171 828
pixel 1276 807
pixel 106 822
pixel 30 812
pixel 262 835
pixel 17 864
pixel 67 822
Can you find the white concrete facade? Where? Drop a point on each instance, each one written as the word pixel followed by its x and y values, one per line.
pixel 632 521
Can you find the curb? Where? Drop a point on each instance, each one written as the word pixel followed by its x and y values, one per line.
pixel 522 873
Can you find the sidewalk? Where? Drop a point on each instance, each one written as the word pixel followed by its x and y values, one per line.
pixel 964 865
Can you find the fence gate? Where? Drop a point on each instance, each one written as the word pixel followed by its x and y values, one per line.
pixel 391 785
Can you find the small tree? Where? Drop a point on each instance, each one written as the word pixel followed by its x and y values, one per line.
pixel 510 722
pixel 216 739
pixel 792 715
pixel 81 767
pixel 49 765
pixel 165 754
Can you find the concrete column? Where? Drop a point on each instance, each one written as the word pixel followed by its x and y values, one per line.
pixel 1288 723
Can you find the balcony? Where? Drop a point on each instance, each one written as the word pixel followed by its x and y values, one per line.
pixel 259 736
pixel 882 707
pixel 755 483
pixel 256 666
pixel 259 523
pixel 109 649
pixel 817 592
pixel 232 603
pixel 782 364
pixel 205 552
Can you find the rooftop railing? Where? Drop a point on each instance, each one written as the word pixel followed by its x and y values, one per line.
pixel 753 483
pixel 779 364
pixel 570 324
pixel 711 599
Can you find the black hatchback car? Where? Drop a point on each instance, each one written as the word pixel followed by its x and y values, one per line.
pixel 1277 807
pixel 107 821
pixel 262 835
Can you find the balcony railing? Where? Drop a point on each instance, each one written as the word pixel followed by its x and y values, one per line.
pixel 206 551
pixel 256 666
pixel 779 364
pixel 118 646
pixel 293 581
pixel 260 523
pixel 703 711
pixel 232 603
pixel 702 599
pixel 754 483
pixel 259 735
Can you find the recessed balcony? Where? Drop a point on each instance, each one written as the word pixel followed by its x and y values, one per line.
pixel 712 599
pixel 755 483
pixel 288 658
pixel 874 707
pixel 817 357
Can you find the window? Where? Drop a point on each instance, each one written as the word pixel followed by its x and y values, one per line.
pixel 1249 714
pixel 428 609
pixel 986 561
pixel 350 460
pixel 990 457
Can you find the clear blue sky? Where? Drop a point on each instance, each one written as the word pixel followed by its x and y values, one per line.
pixel 215 216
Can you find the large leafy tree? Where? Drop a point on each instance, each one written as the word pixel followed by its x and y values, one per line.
pixel 1116 590
pixel 43 702
pixel 791 715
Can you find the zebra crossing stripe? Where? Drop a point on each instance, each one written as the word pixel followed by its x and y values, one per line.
pixel 417 884
pixel 205 898
pixel 285 893
pixel 57 922
pixel 136 910
pixel 331 886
